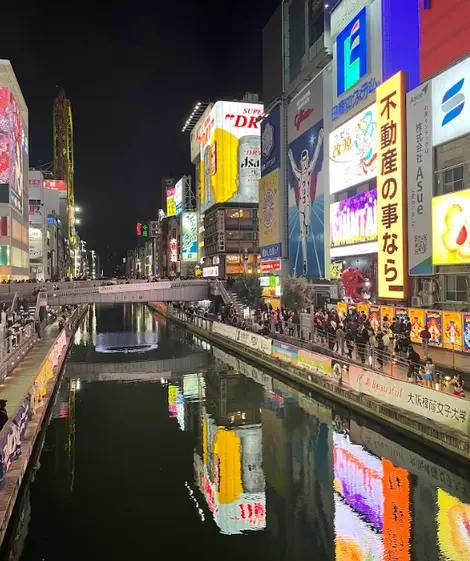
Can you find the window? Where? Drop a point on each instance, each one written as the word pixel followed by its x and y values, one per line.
pixel 456 288
pixel 316 21
pixel 453 179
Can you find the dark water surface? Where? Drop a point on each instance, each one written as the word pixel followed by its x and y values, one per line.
pixel 169 460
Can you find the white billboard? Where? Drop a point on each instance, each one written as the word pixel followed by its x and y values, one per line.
pixel 189 237
pixel 198 133
pixel 178 197
pixel 353 151
pixel 450 108
pixel 35 243
pixel 420 179
pixel 231 154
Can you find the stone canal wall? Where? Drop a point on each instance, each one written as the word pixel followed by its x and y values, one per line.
pixel 442 420
pixel 19 435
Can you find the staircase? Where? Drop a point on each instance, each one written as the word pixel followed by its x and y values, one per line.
pixel 236 302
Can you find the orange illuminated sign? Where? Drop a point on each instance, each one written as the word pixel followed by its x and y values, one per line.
pixel 391 208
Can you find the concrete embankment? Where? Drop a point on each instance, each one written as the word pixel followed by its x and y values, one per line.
pixel 441 437
pixel 30 390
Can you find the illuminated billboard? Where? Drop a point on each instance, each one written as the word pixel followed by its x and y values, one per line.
pixel 55 185
pixel 13 147
pixel 353 224
pixel 178 197
pixel 451 228
pixel 189 237
pixel 35 243
pixel 231 154
pixel 353 151
pixel 170 202
pixel 392 271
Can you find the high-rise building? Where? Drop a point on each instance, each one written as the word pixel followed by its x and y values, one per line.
pixel 14 238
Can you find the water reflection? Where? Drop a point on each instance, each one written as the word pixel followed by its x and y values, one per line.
pixel 229 453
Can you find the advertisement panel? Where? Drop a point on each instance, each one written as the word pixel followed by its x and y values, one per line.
pixel 466 332
pixel 306 204
pixel 269 209
pixel 451 228
pixel 452 330
pixel 224 330
pixel 170 202
pixel 374 317
pixel 434 325
pixel 178 197
pixel 387 312
pixel 314 362
pixel 13 146
pixel 210 271
pixel 353 222
pixel 450 113
pixel 35 243
pixel 285 352
pixel 35 215
pixel 420 179
pixel 55 185
pixel 231 154
pixel 189 237
pixel 440 407
pixel 353 151
pixel 417 324
pixel 197 134
pixel 392 272
pixel 254 341
pixel 271 142
pixel 453 523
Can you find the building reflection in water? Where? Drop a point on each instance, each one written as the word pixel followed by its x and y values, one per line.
pixel 324 483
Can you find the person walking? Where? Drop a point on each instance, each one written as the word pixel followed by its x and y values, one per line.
pixel 429 371
pixel 340 336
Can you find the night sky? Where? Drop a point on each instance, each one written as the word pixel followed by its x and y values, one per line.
pixel 133 76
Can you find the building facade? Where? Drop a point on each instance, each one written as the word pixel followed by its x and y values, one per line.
pixel 14 207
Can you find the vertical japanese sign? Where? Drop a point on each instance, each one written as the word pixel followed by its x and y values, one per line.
pixel 392 271
pixel 419 179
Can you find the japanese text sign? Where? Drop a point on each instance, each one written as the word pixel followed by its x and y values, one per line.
pixel 391 152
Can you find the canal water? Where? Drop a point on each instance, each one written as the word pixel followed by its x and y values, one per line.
pixel 161 446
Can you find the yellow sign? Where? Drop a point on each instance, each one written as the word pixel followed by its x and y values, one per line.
pixel 391 210
pixel 451 229
pixel 336 269
pixel 268 205
pixel 170 204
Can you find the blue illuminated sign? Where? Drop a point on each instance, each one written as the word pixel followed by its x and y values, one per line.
pixel 351 53
pixel 272 251
pixel 52 220
pixel 365 89
pixel 270 142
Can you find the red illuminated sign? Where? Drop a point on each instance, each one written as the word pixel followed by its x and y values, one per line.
pixel 268 266
pixel 139 228
pixel 444 24
pixel 55 185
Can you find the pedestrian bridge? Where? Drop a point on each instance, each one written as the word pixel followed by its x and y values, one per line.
pixel 140 370
pixel 164 291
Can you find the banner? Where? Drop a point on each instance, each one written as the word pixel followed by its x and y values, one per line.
pixel 401 313
pixel 269 209
pixel 466 332
pixel 314 362
pixel 417 324
pixel 434 325
pixel 285 352
pixel 420 179
pixel 387 312
pixel 224 330
pixel 117 288
pixel 452 330
pixel 10 446
pixel 443 408
pixel 374 317
pixel 254 341
pixel 342 309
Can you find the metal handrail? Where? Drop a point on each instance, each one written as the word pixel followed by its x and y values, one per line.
pixel 223 291
pixel 13 303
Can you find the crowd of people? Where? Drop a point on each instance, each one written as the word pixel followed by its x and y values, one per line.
pixel 352 336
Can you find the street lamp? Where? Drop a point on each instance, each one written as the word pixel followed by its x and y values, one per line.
pixel 77 209
pixel 77 220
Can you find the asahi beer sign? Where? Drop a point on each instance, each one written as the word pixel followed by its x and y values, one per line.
pixel 306 109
